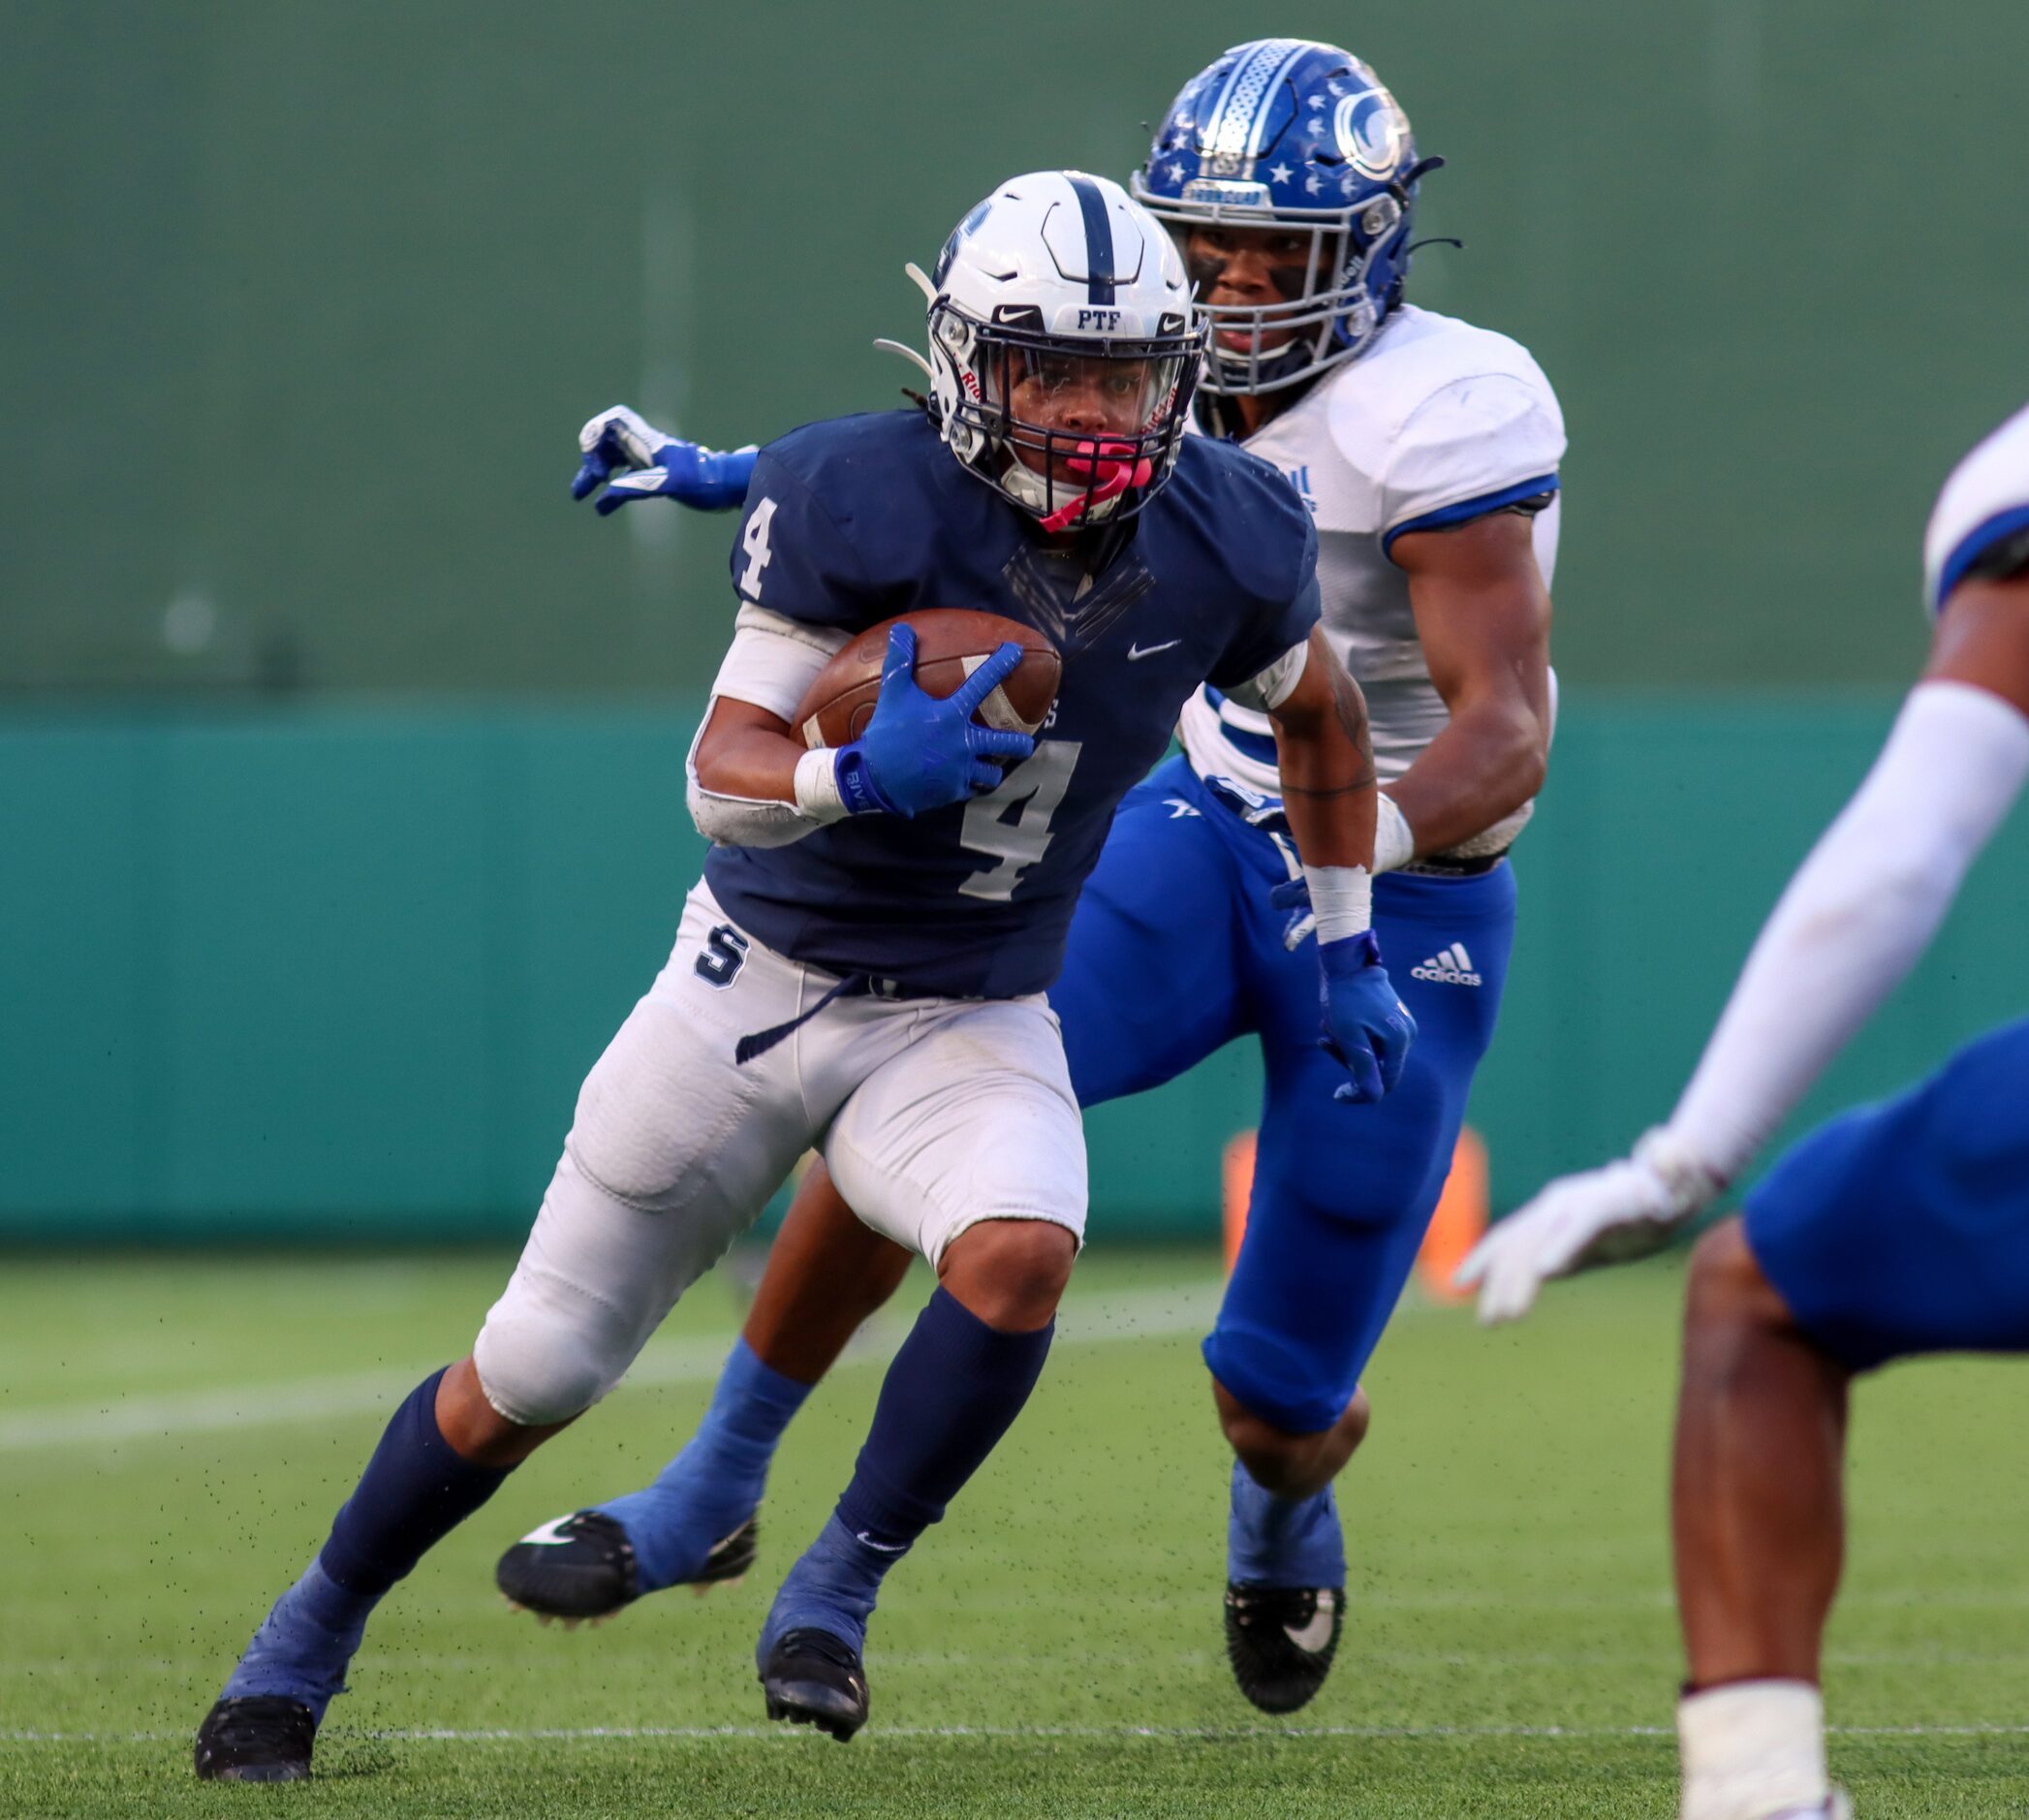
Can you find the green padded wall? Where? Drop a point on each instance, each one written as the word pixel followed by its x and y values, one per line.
pixel 336 973
pixel 305 303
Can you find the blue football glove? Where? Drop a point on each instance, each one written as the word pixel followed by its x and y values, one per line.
pixel 633 459
pixel 921 753
pixel 1367 1028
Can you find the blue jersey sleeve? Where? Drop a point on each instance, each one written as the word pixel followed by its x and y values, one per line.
pixel 792 558
pixel 1287 605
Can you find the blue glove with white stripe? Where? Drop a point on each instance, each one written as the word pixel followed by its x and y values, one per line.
pixel 633 459
pixel 1367 1027
pixel 920 752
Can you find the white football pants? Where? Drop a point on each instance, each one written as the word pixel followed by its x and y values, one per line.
pixel 933 1114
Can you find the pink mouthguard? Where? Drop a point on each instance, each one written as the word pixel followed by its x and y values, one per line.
pixel 1115 469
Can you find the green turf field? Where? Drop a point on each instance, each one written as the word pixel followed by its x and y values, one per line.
pixel 176 1432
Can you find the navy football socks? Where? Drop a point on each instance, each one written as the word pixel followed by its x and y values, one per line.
pixel 1283 1542
pixel 703 1495
pixel 415 1491
pixel 954 1389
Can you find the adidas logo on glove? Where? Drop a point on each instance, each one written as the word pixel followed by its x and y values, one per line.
pixel 1453 967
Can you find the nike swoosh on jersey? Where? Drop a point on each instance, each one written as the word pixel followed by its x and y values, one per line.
pixel 1135 652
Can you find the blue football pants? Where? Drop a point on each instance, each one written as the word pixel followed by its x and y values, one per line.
pixel 1175 950
pixel 1903 1227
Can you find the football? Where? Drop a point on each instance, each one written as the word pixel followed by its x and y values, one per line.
pixel 951 643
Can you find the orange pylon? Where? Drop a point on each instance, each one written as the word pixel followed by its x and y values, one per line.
pixel 1455 1228
pixel 1459 1222
pixel 1235 1184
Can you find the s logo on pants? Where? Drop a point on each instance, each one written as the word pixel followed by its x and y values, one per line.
pixel 725 952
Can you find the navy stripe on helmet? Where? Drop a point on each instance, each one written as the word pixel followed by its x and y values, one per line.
pixel 1099 240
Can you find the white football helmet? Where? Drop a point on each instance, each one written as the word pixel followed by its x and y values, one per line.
pixel 1058 293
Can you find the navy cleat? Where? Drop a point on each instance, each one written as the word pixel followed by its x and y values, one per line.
pixel 813 1677
pixel 257 1738
pixel 1280 1641
pixel 581 1568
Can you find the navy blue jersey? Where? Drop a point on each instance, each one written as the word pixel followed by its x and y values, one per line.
pixel 851 522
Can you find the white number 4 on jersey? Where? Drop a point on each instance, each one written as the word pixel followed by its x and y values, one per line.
pixel 1017 844
pixel 755 541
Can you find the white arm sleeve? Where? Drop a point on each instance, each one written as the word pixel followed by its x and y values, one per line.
pixel 1859 913
pixel 773 660
pixel 1267 690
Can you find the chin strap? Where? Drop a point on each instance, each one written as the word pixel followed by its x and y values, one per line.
pixel 1116 472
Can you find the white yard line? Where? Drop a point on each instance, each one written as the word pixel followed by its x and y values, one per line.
pixel 197 1412
pixel 1140 1314
pixel 707 1733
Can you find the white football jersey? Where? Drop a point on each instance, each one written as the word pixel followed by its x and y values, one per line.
pixel 1984 503
pixel 1436 423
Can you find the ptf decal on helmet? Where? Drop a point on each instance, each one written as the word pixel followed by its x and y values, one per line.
pixel 1062 348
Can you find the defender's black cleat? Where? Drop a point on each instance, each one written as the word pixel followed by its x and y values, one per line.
pixel 581 1569
pixel 1280 1641
pixel 574 1568
pixel 813 1677
pixel 259 1738
pixel 729 1558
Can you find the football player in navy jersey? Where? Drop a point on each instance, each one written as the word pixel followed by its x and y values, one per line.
pixel 863 968
pixel 1425 450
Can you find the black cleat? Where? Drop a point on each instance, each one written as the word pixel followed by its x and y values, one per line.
pixel 259 1738
pixel 580 1568
pixel 815 1679
pixel 1280 1641
pixel 574 1568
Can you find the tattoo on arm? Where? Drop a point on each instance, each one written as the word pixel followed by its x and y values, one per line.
pixel 1348 709
pixel 1351 708
pixel 1351 788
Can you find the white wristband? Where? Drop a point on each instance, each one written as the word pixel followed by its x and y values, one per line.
pixel 1395 843
pixel 1342 899
pixel 817 785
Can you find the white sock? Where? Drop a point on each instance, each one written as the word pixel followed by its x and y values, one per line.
pixel 1753 1751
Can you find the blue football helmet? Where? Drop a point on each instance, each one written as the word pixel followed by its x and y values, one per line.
pixel 1290 134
